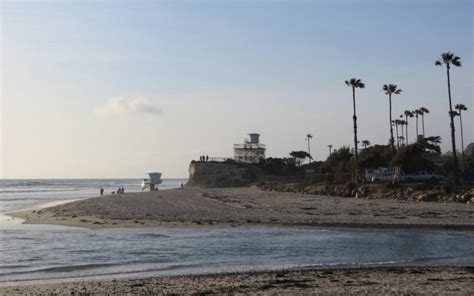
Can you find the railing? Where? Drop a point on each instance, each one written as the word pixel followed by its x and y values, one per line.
pixel 219 159
pixel 249 146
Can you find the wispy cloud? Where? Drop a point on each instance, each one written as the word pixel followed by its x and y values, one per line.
pixel 121 106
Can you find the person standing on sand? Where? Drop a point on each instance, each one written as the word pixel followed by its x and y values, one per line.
pixel 101 191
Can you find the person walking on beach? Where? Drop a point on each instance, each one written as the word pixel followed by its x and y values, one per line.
pixel 101 191
pixel 207 158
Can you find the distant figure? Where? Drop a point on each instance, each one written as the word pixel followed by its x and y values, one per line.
pixel 207 157
pixel 182 185
pixel 113 192
pixel 101 191
pixel 123 190
pixel 119 190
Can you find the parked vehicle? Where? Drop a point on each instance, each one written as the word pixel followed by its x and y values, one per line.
pixel 375 174
pixel 421 176
pixel 382 178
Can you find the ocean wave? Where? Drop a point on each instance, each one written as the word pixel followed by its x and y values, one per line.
pixel 21 190
pixel 155 235
pixel 61 269
pixel 13 266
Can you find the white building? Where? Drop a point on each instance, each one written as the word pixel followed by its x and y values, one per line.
pixel 251 151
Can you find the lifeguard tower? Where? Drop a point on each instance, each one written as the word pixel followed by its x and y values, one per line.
pixel 251 151
pixel 152 182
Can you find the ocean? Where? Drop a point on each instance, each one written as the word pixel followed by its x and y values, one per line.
pixel 51 253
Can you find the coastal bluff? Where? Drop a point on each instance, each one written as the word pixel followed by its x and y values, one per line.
pixel 222 174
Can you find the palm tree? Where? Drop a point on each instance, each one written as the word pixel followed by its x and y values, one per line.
pixel 460 108
pixel 389 90
pixel 355 83
pixel 407 114
pixel 397 122
pixel 423 111
pixel 365 143
pixel 402 138
pixel 448 59
pixel 330 149
pixel 308 138
pixel 417 114
pixel 402 123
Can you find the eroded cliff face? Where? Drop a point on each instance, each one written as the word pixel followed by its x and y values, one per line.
pixel 222 174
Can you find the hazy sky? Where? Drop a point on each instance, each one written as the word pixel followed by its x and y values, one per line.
pixel 118 89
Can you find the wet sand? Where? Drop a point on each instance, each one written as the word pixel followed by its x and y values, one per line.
pixel 373 281
pixel 246 206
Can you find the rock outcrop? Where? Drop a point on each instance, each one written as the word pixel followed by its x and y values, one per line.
pixel 222 174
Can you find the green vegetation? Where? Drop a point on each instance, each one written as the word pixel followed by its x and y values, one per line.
pixel 391 89
pixel 399 155
pixel 460 108
pixel 448 59
pixel 355 83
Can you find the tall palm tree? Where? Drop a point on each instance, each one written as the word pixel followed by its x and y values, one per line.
pixel 366 143
pixel 402 123
pixel 397 123
pixel 417 113
pixel 391 89
pixel 355 83
pixel 407 114
pixel 460 108
pixel 423 111
pixel 330 149
pixel 448 59
pixel 402 138
pixel 308 138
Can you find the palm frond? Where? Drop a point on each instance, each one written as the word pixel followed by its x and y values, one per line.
pixel 460 107
pixel 453 113
pixel 456 61
pixel 424 110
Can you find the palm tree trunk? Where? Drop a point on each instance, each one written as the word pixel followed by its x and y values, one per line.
pixel 356 159
pixel 309 152
pixel 417 126
pixel 423 123
pixel 403 134
pixel 453 135
pixel 398 140
pixel 406 127
pixel 392 141
pixel 462 142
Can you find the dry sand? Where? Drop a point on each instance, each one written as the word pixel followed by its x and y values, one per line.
pixel 373 281
pixel 238 206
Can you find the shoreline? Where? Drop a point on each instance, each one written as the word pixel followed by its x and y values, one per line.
pixel 373 279
pixel 146 224
pixel 233 207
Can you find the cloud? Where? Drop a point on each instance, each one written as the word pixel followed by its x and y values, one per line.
pixel 120 106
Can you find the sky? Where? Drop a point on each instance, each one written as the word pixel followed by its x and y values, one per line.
pixel 116 89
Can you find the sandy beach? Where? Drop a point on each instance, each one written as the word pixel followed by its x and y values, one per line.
pixel 373 281
pixel 250 206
